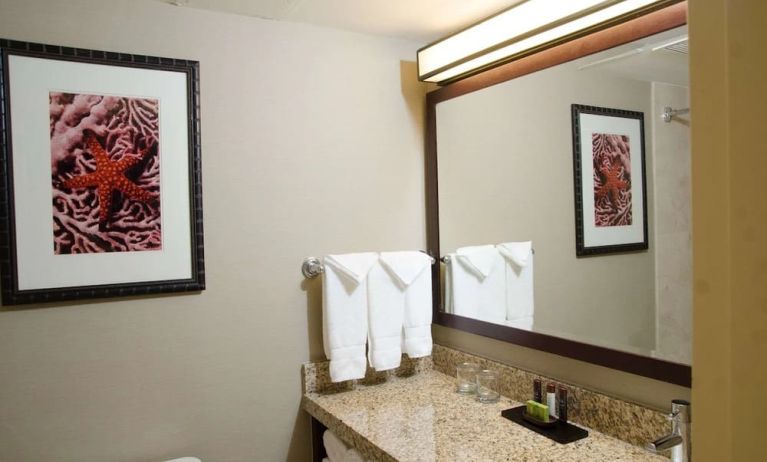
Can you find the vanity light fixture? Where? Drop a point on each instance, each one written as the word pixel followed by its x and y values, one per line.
pixel 526 27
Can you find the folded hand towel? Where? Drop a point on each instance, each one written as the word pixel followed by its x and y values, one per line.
pixel 478 284
pixel 519 253
pixel 520 306
pixel 337 451
pixel 344 312
pixel 412 270
pixel 386 307
pixel 462 288
pixel 480 260
pixel 334 447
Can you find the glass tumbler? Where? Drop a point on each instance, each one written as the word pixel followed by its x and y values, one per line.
pixel 466 374
pixel 487 387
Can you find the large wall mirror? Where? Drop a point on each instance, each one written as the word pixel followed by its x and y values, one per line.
pixel 502 199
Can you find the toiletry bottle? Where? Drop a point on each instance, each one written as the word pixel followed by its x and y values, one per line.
pixel 562 405
pixel 551 398
pixel 537 391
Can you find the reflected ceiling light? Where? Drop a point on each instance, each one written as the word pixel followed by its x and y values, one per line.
pixel 530 25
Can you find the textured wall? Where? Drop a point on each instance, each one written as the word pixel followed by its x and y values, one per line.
pixel 311 145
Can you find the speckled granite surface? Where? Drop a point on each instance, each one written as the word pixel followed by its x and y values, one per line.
pixel 624 420
pixel 421 418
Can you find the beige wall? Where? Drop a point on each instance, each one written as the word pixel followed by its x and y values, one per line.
pixel 506 174
pixel 728 97
pixel 311 145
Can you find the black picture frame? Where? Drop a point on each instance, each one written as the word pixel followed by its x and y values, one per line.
pixel 178 263
pixel 610 201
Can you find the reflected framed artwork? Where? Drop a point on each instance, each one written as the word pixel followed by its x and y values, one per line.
pixel 609 179
pixel 100 162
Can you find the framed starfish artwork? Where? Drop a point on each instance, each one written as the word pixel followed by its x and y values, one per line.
pixel 101 190
pixel 610 184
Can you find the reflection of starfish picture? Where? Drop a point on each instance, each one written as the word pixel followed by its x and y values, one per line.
pixel 612 184
pixel 108 177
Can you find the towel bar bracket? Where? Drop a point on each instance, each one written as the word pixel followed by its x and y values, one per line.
pixel 312 267
pixel 669 113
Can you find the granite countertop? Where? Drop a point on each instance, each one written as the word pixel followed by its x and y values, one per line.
pixel 421 418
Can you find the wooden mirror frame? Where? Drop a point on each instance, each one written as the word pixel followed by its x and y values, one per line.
pixel 658 21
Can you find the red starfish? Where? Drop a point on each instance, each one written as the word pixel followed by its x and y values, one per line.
pixel 109 176
pixel 612 185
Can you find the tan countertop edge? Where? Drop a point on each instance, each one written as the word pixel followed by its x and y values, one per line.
pixel 345 432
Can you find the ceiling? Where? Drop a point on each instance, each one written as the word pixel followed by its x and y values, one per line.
pixel 418 20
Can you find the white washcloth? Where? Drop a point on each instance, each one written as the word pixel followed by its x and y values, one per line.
pixel 345 313
pixel 337 451
pixel 520 305
pixel 478 284
pixel 412 269
pixel 334 447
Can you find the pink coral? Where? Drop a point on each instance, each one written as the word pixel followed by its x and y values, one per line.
pixel 125 127
pixel 612 179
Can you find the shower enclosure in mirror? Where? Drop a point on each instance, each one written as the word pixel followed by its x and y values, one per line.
pixel 501 201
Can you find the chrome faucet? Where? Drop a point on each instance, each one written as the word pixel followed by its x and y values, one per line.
pixel 679 438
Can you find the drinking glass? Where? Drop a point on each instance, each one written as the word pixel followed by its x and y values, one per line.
pixel 466 374
pixel 487 387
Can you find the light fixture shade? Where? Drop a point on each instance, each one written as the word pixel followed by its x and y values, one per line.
pixel 527 26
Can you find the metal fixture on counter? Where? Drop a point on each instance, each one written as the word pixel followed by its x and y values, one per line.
pixel 679 438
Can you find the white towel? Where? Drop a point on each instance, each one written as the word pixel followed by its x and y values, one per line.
pixel 352 455
pixel 334 447
pixel 337 451
pixel 345 313
pixel 520 304
pixel 412 269
pixel 478 281
pixel 394 286
pixel 461 291
pixel 386 308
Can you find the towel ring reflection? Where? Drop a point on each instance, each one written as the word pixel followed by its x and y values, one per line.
pixel 313 267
